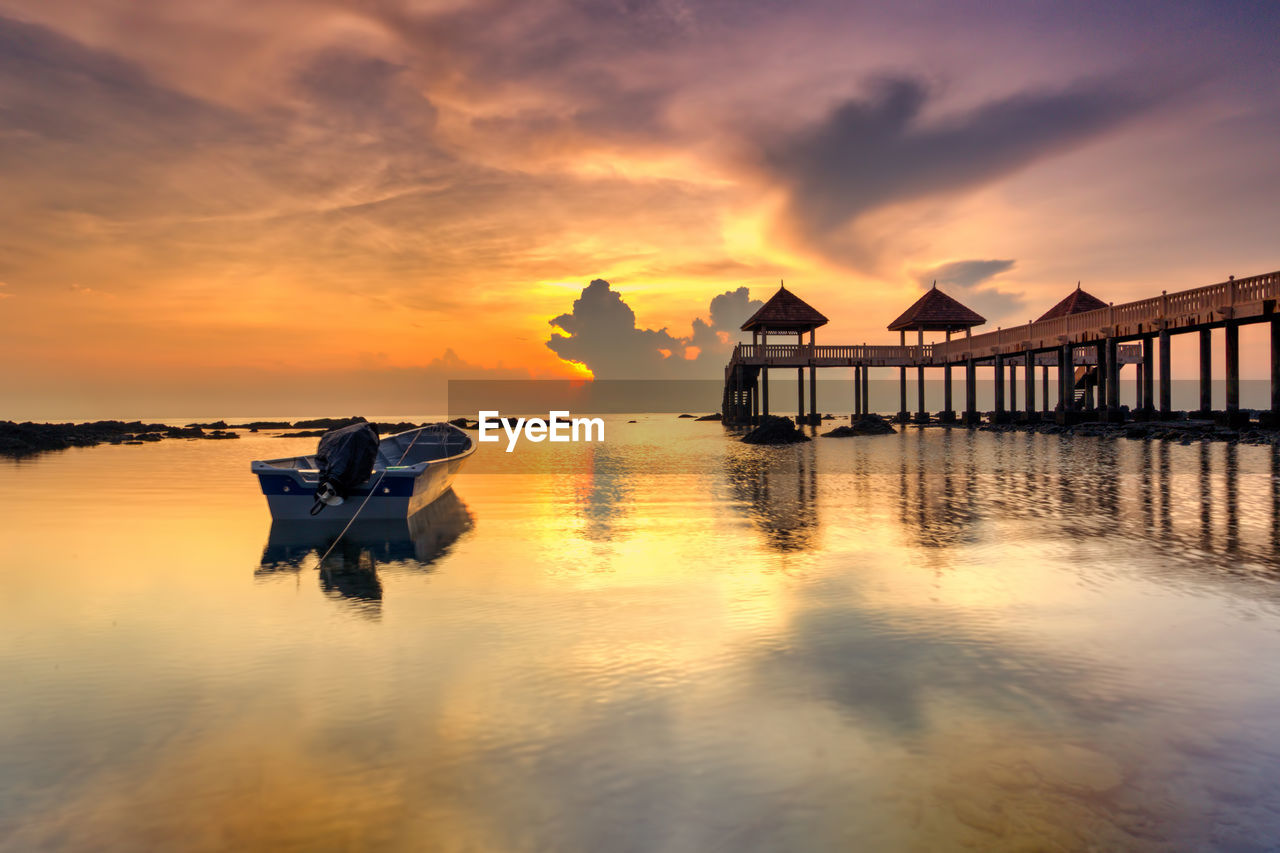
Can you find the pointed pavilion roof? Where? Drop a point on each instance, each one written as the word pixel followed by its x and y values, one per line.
pixel 785 312
pixel 1077 302
pixel 936 312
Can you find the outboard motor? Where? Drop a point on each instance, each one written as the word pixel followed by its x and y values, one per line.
pixel 345 458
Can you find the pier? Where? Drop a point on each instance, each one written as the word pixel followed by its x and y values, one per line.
pixel 1086 345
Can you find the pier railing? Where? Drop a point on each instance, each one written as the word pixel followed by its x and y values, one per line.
pixel 805 352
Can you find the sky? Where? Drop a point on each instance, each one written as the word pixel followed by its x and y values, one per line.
pixel 246 205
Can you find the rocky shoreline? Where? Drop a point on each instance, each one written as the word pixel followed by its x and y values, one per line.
pixel 18 440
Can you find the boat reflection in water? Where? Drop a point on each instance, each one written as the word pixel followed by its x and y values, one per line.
pixel 350 569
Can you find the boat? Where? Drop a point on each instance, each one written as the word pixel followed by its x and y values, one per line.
pixel 411 470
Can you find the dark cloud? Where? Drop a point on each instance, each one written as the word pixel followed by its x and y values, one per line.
pixel 59 91
pixel 867 154
pixel 971 283
pixel 601 333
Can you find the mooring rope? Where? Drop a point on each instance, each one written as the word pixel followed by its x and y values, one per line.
pixel 372 489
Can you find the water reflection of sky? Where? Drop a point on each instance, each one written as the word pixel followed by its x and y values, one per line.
pixel 923 641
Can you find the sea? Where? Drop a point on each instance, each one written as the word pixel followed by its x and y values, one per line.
pixel 940 639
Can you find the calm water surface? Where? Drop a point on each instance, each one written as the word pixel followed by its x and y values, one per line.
pixel 925 641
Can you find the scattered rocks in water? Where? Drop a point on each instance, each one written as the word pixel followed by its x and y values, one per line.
pixel 214 425
pixel 775 430
pixel 306 433
pixel 714 417
pixel 254 426
pixel 865 425
pixel 25 439
pixel 1183 432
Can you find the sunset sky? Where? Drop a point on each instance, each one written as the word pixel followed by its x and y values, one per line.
pixel 217 200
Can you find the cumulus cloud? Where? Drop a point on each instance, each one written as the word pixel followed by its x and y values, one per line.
pixel 601 333
pixel 867 154
pixel 971 282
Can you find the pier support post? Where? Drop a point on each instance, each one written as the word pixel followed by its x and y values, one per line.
pixel 814 417
pixel 1139 374
pixel 1234 415
pixel 970 391
pixel 1275 371
pixel 764 392
pixel 998 413
pixel 922 415
pixel 903 415
pixel 1166 375
pixel 1206 372
pixel 857 390
pixel 1066 381
pixel 800 396
pixel 1148 374
pixel 1113 380
pixel 1013 386
pixel 1044 383
pixel 755 399
pixel 948 414
pixel 866 389
pixel 1031 385
pixel 1100 374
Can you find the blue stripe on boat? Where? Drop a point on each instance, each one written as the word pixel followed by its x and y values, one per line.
pixel 282 484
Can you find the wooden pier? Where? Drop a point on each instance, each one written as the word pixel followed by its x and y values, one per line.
pixel 1085 348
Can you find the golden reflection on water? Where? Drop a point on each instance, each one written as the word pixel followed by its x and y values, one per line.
pixel 935 640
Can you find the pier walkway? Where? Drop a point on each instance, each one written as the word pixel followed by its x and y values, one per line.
pixel 1087 347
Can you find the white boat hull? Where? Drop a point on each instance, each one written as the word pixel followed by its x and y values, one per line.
pixel 393 491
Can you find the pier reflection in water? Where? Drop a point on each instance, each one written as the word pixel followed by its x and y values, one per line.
pixel 353 555
pixel 950 488
pixel 779 492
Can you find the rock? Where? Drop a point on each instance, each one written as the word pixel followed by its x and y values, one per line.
pixel 221 433
pixel 828 417
pixel 684 416
pixel 775 430
pixel 254 426
pixel 214 425
pixel 328 423
pixel 865 425
pixel 630 422
pixel 191 431
pixel 306 433
pixel 714 417
pixel 385 429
